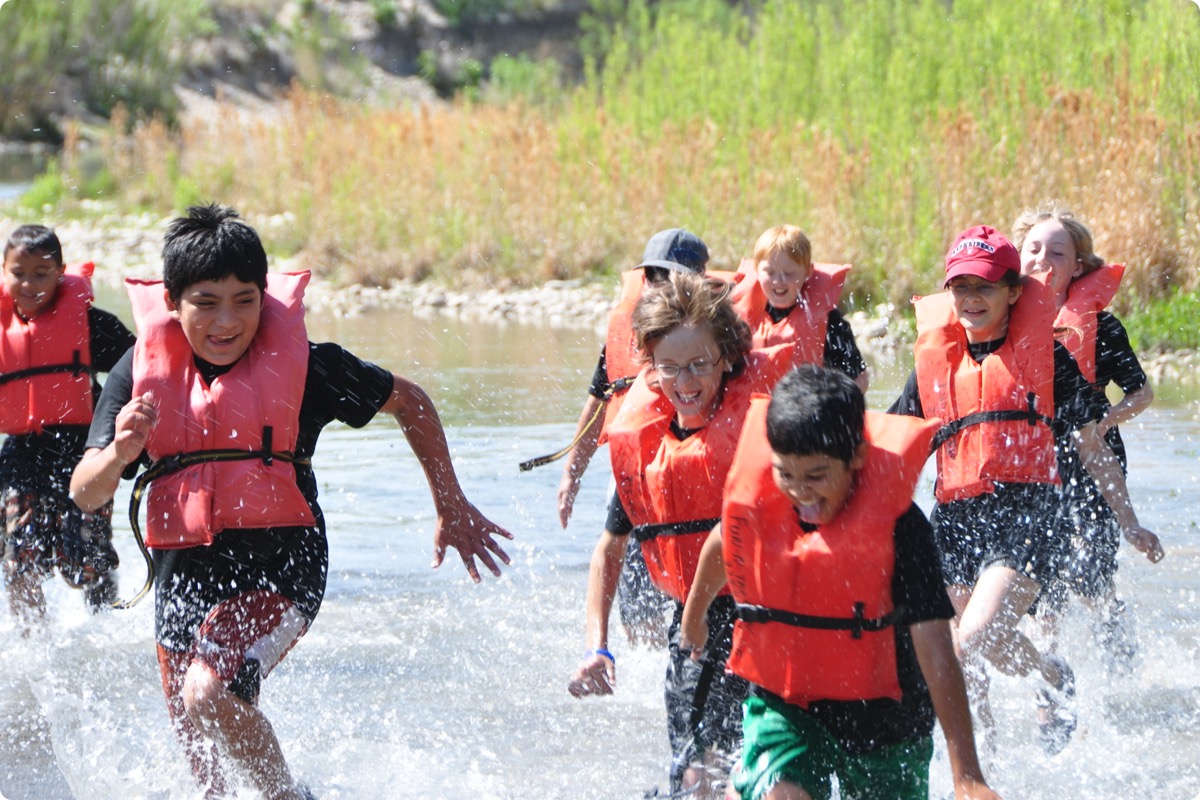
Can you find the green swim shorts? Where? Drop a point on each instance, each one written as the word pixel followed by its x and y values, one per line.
pixel 783 742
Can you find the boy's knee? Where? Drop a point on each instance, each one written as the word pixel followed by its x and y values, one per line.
pixel 206 701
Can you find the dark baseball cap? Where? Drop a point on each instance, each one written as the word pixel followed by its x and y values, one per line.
pixel 677 249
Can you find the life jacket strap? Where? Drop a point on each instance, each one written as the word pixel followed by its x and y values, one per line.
pixel 76 368
pixel 176 463
pixel 619 385
pixel 1029 414
pixel 644 533
pixel 856 624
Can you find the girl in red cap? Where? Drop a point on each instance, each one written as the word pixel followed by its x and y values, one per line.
pixel 988 367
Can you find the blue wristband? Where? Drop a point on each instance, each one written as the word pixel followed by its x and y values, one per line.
pixel 600 651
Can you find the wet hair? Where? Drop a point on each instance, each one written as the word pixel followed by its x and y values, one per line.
pixel 1081 234
pixel 210 244
pixel 686 299
pixel 786 239
pixel 35 239
pixel 816 411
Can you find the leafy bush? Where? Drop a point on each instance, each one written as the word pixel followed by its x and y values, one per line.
pixel 109 52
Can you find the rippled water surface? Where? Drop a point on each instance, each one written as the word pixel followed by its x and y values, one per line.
pixel 416 683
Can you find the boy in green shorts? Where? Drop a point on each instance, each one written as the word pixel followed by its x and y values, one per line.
pixel 842 615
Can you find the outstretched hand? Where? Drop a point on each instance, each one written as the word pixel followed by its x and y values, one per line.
pixel 1145 541
pixel 471 534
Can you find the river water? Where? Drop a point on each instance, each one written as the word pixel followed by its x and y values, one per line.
pixel 415 683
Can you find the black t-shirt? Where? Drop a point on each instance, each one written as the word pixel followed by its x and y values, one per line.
pixel 919 593
pixel 1116 363
pixel 44 461
pixel 841 353
pixel 291 561
pixel 1075 402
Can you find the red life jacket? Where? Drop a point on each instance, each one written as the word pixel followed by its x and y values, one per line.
pixel 1075 325
pixel 254 407
pixel 46 362
pixel 996 413
pixel 806 324
pixel 815 608
pixel 671 489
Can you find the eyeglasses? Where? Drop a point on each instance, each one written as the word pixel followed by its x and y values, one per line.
pixel 698 368
pixel 983 289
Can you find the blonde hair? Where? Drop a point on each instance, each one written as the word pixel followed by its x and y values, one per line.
pixel 786 239
pixel 1081 234
pixel 688 300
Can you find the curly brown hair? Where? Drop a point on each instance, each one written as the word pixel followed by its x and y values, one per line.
pixel 691 300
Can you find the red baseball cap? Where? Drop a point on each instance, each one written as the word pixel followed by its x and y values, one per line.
pixel 981 251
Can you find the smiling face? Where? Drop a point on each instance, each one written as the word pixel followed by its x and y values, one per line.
pixel 817 485
pixel 690 350
pixel 219 318
pixel 982 306
pixel 781 279
pixel 1048 247
pixel 31 279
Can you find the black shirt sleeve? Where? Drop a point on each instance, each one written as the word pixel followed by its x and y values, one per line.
pixel 1075 402
pixel 618 522
pixel 918 587
pixel 599 387
pixel 909 401
pixel 118 389
pixel 1115 360
pixel 841 349
pixel 110 339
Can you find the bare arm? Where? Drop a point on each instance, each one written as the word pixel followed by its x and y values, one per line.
pixel 459 523
pixel 706 585
pixel 1130 406
pixel 597 674
pixel 1101 464
pixel 98 474
pixel 935 653
pixel 580 456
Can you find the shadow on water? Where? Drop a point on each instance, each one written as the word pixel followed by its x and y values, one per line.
pixel 416 683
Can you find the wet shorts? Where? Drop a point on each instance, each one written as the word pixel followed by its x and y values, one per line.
pixel 243 638
pixel 641 603
pixel 783 742
pixel 1012 526
pixel 43 531
pixel 704 702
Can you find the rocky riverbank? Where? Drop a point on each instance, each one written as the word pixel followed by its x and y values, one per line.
pixel 129 246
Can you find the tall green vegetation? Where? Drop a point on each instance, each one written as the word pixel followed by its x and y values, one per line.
pixel 880 127
pixel 115 52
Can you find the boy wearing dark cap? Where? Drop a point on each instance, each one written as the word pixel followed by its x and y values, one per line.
pixel 642 607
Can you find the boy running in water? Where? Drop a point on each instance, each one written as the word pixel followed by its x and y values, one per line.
pixel 223 364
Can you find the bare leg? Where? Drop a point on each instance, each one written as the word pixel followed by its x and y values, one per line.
pixel 202 754
pixel 25 597
pixel 241 729
pixel 974 674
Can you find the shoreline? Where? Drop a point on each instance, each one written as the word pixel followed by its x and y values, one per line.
pixel 134 243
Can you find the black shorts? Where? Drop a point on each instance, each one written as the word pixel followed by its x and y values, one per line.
pixel 1093 536
pixel 704 702
pixel 189 583
pixel 1013 526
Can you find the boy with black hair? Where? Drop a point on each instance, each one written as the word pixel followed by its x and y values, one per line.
pixel 53 341
pixel 842 616
pixel 223 371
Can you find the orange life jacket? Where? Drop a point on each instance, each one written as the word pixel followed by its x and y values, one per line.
pixel 806 324
pixel 253 408
pixel 46 362
pixel 815 608
pixel 1075 325
pixel 671 489
pixel 997 413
